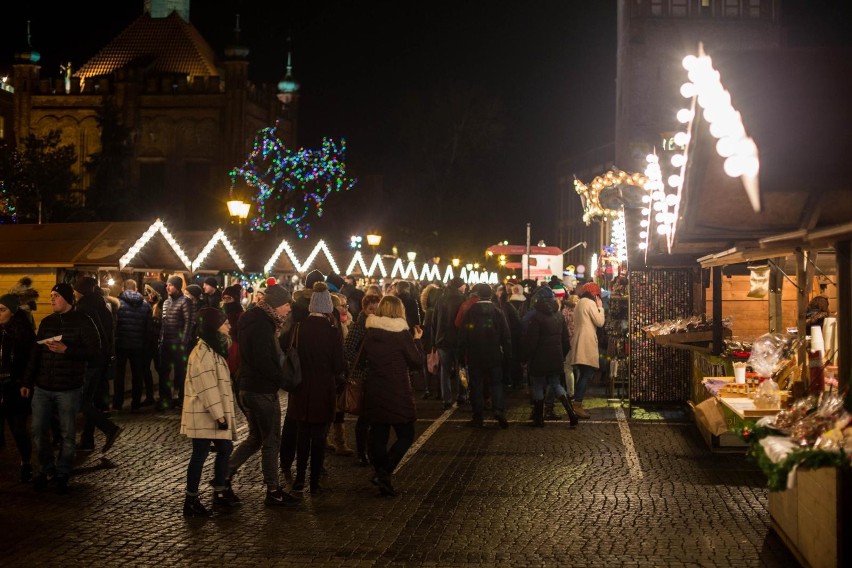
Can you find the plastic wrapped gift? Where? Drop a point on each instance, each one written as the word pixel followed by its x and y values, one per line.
pixel 768 395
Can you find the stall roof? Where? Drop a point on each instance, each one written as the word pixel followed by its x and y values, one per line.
pixel 100 244
pixel 215 245
pixel 794 103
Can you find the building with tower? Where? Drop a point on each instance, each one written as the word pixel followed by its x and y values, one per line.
pixel 189 114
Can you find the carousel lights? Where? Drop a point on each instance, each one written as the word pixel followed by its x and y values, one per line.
pixel 590 194
pixel 734 145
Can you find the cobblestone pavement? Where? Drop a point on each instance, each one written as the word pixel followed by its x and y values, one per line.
pixel 616 491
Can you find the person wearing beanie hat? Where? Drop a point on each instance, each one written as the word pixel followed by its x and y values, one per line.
pixel 90 301
pixel 321 300
pixel 208 415
pixel 176 338
pixel 17 339
pixel 260 378
pixel 313 277
pixel 335 282
pixel 11 301
pixel 457 282
pixel 445 338
pixel 56 384
pixel 212 297
pixel 313 405
pixel 276 296
pixel 233 293
pixel 485 342
pixel 585 353
pixel 592 288
pixel 195 291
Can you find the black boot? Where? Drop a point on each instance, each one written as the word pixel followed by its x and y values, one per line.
pixel 192 507
pixel 361 445
pixel 538 414
pixel 569 408
pixel 549 413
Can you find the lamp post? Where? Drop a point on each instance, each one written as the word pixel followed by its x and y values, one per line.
pixel 374 241
pixel 239 212
pixel 411 255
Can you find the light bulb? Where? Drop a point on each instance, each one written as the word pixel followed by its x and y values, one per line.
pixel 678 160
pixel 687 90
pixel 684 115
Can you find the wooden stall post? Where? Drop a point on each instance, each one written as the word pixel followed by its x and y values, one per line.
pixel 844 321
pixel 717 310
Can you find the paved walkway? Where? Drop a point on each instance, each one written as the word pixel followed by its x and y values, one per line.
pixel 616 491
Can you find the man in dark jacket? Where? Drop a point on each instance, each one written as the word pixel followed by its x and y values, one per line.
pixel 485 342
pixel 132 329
pixel 67 340
pixel 91 302
pixel 260 379
pixel 413 313
pixel 446 340
pixel 175 337
pixel 211 296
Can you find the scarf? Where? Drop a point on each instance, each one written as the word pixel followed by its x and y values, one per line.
pixel 270 311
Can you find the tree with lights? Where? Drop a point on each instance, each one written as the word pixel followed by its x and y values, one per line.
pixel 289 186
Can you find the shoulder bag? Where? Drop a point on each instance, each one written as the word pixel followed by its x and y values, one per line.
pixel 351 399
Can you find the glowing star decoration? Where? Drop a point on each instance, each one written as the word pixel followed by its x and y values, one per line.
pixel 590 195
pixel 156 227
pixel 208 248
pixel 291 185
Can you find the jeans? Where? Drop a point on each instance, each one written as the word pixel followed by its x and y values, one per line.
pixel 66 404
pixel 263 413
pixel 384 460
pixel 586 373
pixel 477 382
pixel 540 383
pixel 200 450
pixel 136 357
pixel 93 417
pixel 172 355
pixel 15 409
pixel 450 375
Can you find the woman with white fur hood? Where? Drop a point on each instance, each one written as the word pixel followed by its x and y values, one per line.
pixel 391 354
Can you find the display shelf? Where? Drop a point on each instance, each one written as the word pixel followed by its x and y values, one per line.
pixel 692 340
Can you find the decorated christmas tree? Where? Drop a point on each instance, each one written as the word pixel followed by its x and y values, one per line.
pixel 290 186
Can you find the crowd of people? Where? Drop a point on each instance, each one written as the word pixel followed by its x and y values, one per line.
pixel 218 353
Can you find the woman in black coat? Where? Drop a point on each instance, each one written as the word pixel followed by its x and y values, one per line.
pixel 391 354
pixel 546 344
pixel 319 342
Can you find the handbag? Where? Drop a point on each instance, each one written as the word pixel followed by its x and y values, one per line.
pixel 290 364
pixel 351 398
pixel 433 361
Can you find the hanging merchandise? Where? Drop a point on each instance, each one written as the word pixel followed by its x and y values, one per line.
pixel 759 281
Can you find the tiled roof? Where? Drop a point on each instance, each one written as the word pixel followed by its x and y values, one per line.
pixel 164 45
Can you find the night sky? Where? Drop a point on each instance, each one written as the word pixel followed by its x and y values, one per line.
pixel 540 77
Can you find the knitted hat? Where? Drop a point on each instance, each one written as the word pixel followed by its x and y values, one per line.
pixel 559 292
pixel 177 282
pixel 210 281
pixel 235 291
pixel 592 288
pixel 321 299
pixel 85 285
pixel 66 291
pixel 11 301
pixel 271 281
pixel 157 287
pixel 335 282
pixel 482 290
pixel 456 282
pixel 195 290
pixel 210 319
pixel 313 277
pixel 276 296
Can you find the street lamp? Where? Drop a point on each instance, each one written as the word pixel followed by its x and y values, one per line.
pixel 374 240
pixel 239 212
pixel 411 255
pixel 456 262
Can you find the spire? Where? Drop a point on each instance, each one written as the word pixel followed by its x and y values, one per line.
pixel 30 55
pixel 236 50
pixel 288 85
pixel 164 8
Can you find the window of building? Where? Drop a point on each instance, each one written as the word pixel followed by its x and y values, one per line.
pixel 731 9
pixel 679 8
pixel 656 7
pixel 754 8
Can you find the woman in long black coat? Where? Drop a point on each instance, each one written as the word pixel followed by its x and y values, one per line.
pixel 320 345
pixel 391 354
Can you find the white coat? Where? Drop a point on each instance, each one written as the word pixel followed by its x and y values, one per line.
pixel 207 396
pixel 588 317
